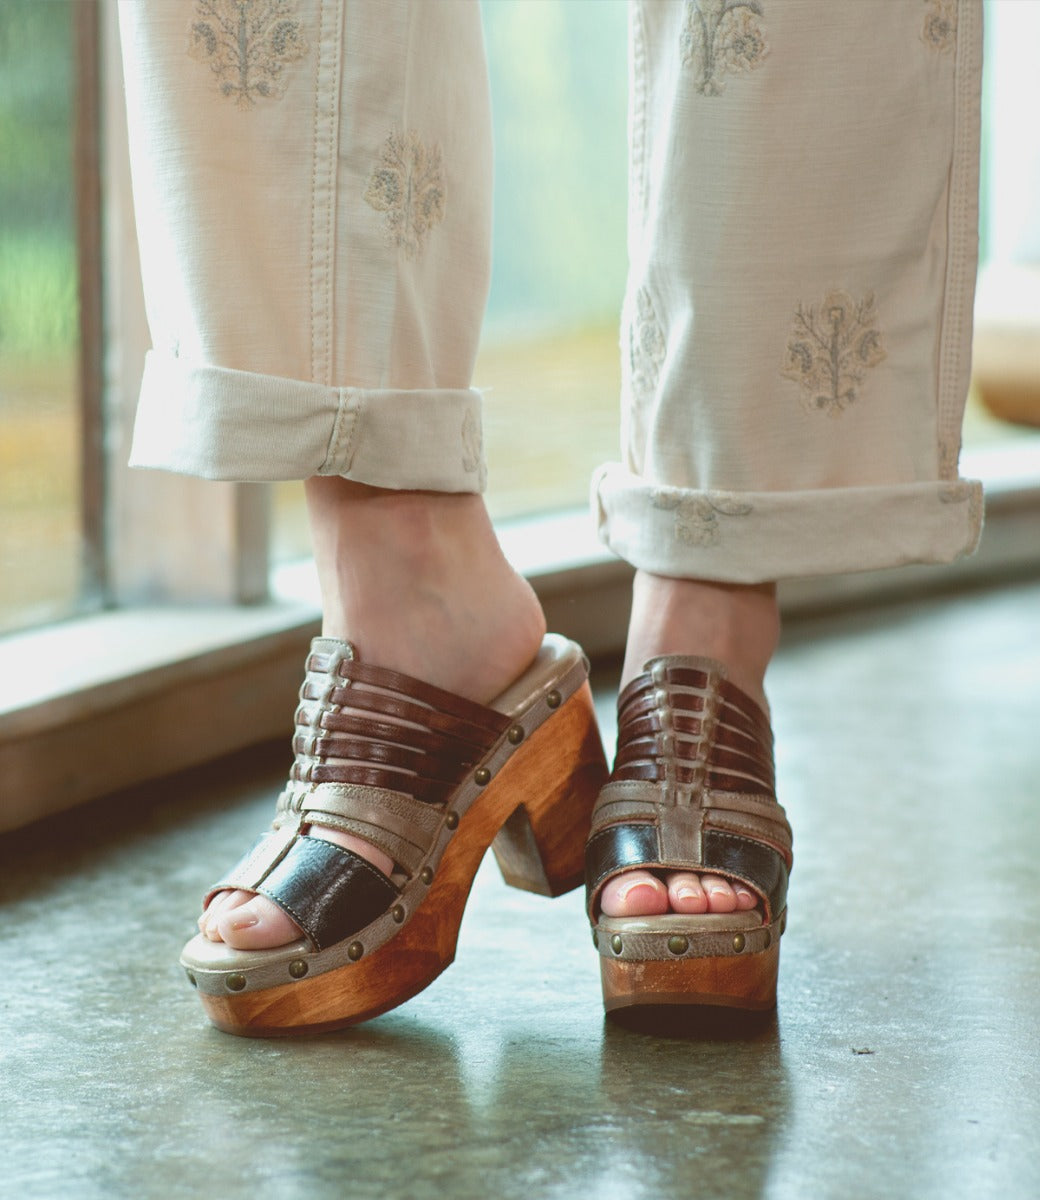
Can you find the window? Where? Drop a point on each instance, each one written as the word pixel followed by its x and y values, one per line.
pixel 49 481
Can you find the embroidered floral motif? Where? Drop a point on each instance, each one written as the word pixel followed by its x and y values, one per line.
pixel 960 492
pixel 408 185
pixel 721 36
pixel 247 45
pixel 697 517
pixel 831 349
pixel 646 346
pixel 473 447
pixel 471 442
pixel 940 25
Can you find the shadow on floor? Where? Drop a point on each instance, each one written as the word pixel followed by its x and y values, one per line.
pixel 902 1062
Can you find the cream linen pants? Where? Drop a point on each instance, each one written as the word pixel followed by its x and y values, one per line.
pixel 312 184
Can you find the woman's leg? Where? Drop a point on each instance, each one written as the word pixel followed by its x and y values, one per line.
pixel 313 203
pixel 802 247
pixel 419 583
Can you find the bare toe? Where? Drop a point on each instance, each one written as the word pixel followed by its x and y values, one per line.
pixel 634 894
pixel 721 897
pixel 221 903
pixel 746 899
pixel 685 893
pixel 259 924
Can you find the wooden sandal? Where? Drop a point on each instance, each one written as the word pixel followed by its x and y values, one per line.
pixel 521 775
pixel 692 790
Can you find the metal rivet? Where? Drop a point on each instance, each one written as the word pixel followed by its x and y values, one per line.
pixel 677 944
pixel 355 951
pixel 595 939
pixel 738 942
pixel 515 734
pixel 298 968
pixel 615 943
pixel 482 775
pixel 191 979
pixel 397 912
pixel 426 875
pixel 235 983
pixel 452 820
pixel 554 699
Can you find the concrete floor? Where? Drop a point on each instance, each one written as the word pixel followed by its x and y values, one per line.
pixel 903 1061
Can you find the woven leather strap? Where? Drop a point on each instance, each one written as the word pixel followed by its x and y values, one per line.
pixel 693 784
pixel 359 769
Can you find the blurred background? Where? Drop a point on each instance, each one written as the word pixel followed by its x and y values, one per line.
pixel 549 361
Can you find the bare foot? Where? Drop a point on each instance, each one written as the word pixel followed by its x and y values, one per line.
pixel 417 581
pixel 739 626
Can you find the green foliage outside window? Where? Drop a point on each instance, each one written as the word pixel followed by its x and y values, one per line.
pixel 38 306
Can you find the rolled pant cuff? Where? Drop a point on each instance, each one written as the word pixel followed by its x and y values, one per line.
pixel 757 537
pixel 219 423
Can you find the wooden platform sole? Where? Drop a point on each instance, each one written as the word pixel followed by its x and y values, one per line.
pixel 734 981
pixel 552 780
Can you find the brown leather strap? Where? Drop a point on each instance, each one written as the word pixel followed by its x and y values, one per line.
pixel 467 711
pixel 343 736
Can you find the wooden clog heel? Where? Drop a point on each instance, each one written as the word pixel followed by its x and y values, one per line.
pixel 540 848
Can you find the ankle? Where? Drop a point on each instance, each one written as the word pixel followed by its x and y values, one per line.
pixel 358 531
pixel 418 581
pixel 737 624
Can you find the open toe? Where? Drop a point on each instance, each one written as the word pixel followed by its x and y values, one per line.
pixel 691 795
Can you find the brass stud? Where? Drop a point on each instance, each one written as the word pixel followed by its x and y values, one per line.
pixel 397 912
pixel 426 875
pixel 298 968
pixel 738 942
pixel 482 776
pixel 191 978
pixel 451 821
pixel 355 951
pixel 515 734
pixel 616 943
pixel 678 944
pixel 235 983
pixel 554 699
pixel 595 939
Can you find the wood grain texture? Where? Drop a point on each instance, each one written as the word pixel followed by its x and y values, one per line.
pixel 541 847
pixel 733 981
pixel 555 776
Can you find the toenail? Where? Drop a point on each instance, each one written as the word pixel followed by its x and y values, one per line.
pixel 627 889
pixel 688 893
pixel 244 919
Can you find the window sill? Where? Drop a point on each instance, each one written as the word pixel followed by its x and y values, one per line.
pixel 106 701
